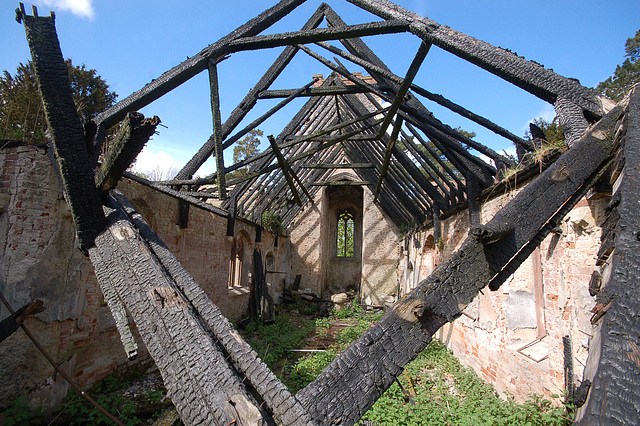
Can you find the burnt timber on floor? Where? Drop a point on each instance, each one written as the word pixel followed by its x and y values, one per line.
pixel 212 374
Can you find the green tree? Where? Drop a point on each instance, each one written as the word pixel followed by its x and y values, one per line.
pixel 21 109
pixel 552 131
pixel 626 74
pixel 246 148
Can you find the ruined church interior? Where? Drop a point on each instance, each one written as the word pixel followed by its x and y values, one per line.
pixel 523 266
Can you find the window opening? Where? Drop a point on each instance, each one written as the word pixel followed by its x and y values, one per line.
pixel 345 242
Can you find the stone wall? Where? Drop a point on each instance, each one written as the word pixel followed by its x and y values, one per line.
pixel 39 260
pixel 313 249
pixel 513 337
pixel 204 249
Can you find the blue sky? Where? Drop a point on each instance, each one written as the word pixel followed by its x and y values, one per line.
pixel 132 42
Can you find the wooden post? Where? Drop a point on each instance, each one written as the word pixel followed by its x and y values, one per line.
pixel 65 129
pixel 282 162
pixel 217 129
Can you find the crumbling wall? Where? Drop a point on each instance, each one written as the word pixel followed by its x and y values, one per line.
pixel 513 337
pixel 379 255
pixel 203 248
pixel 311 244
pixel 39 260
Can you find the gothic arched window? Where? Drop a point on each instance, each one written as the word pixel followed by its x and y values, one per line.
pixel 345 242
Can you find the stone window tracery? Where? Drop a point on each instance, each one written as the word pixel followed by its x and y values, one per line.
pixel 345 236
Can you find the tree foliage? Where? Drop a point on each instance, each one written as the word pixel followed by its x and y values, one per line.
pixel 552 131
pixel 246 148
pixel 626 74
pixel 21 109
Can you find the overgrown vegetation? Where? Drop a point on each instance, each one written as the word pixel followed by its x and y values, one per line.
pixel 21 109
pixel 435 388
pixel 272 223
pixel 132 396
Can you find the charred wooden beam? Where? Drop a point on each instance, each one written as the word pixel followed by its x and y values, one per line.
pixel 250 99
pixel 179 323
pixel 372 362
pixel 339 166
pixel 193 65
pixel 387 155
pixel 255 123
pixel 439 99
pixel 286 170
pixel 423 50
pixel 65 128
pixel 217 129
pixel 528 75
pixel 614 354
pixel 317 34
pixel 133 134
pixel 343 183
pixel 313 91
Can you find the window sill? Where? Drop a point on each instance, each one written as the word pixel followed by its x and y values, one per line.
pixel 238 291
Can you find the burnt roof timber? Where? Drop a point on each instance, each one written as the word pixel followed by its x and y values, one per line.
pixel 251 98
pixel 376 148
pixel 339 166
pixel 423 50
pixel 395 193
pixel 132 135
pixel 407 182
pixel 422 113
pixel 528 75
pixel 439 99
pixel 72 161
pixel 428 167
pixel 217 129
pixel 255 123
pixel 290 128
pixel 435 155
pixel 317 34
pixel 313 91
pixel 357 46
pixel 387 154
pixel 286 170
pixel 193 65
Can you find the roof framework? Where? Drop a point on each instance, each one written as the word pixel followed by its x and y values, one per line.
pixel 213 376
pixel 418 166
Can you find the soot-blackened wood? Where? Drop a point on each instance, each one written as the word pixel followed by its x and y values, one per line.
pixel 286 408
pixel 230 141
pixel 249 100
pixel 286 170
pixel 202 385
pixel 133 134
pixel 117 308
pixel 372 362
pixel 217 129
pixel 439 99
pixel 313 91
pixel 317 34
pixel 193 65
pixel 65 128
pixel 339 166
pixel 423 50
pixel 412 105
pixel 388 152
pixel 613 365
pixel 528 75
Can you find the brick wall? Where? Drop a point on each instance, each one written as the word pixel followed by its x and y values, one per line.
pixel 39 261
pixel 203 247
pixel 509 338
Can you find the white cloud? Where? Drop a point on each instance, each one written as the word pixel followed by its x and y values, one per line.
pixel 157 166
pixel 82 8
